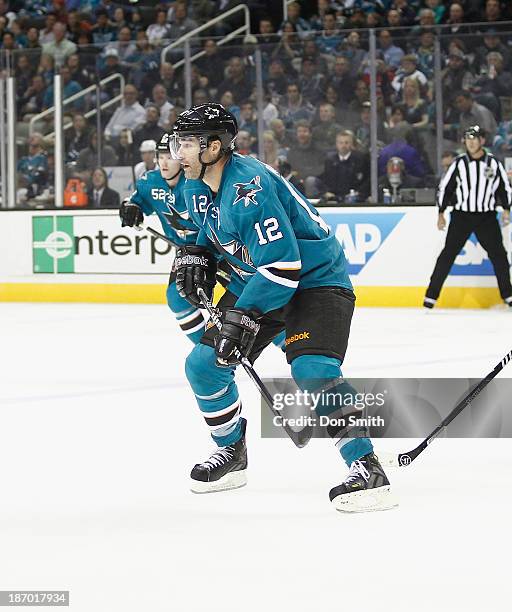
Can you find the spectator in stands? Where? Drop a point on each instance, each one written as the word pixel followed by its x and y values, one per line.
pixel 304 157
pixel 289 46
pixel 76 138
pixel 167 78
pixel 129 115
pixel 228 102
pixel 266 33
pixel 362 95
pixel 69 88
pixel 492 11
pixel 147 151
pixel 201 11
pixel 33 168
pixel 342 80
pixel 46 68
pixel 47 34
pixel 310 49
pixel 317 19
pixel 270 149
pixel 472 113
pixel 277 81
pixel 8 41
pixel 414 165
pixel 362 126
pixel 24 73
pixel 407 12
pixel 492 42
pixel 437 7
pixel 493 83
pixel 325 131
pixel 332 96
pixel 102 32
pixel 200 96
pixel 149 130
pixel 78 73
pixel 397 126
pixel 391 53
pixel 414 106
pixel 330 39
pixel 345 169
pixel 111 66
pixel 145 62
pixel 136 22
pixel 311 81
pixel 456 76
pixel 302 27
pixel 88 158
pixel 278 128
pixel 33 45
pixel 119 20
pixel 373 19
pixel 124 45
pixel 425 52
pixel 248 120
pixel 408 69
pixel 244 142
pixel 161 101
pixel 393 18
pixel 396 177
pixel 31 102
pixel 503 140
pixel 237 82
pixel 211 64
pixel 181 23
pixel 447 159
pixel 456 19
pixel 100 195
pixel 60 48
pixel 159 29
pixel 351 49
pixel 293 107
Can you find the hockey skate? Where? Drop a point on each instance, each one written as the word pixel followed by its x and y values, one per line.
pixel 225 469
pixel 366 488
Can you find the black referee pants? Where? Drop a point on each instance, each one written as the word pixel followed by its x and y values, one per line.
pixel 488 232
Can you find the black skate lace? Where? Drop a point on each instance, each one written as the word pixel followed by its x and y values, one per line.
pixel 357 469
pixel 221 456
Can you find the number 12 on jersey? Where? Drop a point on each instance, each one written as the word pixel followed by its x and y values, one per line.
pixel 271 230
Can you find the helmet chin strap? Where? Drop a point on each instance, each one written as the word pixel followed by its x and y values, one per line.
pixel 205 164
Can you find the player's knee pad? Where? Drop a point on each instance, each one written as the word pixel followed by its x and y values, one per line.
pixel 203 373
pixel 311 371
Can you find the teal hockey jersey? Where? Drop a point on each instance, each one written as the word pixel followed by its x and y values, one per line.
pixel 270 234
pixel 153 195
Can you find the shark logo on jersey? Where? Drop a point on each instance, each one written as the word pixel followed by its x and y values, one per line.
pixel 247 191
pixel 236 250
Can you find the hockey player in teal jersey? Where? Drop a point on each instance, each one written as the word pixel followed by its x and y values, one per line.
pixel 289 272
pixel 160 191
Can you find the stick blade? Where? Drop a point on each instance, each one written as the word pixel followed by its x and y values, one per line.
pixel 388 459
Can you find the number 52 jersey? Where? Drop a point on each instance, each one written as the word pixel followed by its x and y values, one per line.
pixel 273 238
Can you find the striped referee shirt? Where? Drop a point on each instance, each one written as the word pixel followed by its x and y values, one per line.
pixel 474 185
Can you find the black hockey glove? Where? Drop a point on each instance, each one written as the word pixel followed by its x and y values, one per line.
pixel 239 330
pixel 195 267
pixel 131 214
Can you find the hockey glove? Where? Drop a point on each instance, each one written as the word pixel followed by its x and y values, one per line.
pixel 195 267
pixel 239 330
pixel 131 214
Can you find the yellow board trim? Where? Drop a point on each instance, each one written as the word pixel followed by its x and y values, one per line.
pixel 451 297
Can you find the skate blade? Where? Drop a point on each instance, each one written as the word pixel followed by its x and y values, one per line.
pixel 233 480
pixel 366 501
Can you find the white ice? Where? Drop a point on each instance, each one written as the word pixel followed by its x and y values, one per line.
pixel 99 431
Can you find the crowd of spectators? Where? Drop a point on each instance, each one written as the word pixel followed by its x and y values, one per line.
pixel 316 82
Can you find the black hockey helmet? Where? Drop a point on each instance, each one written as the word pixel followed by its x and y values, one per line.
pixel 474 131
pixel 207 123
pixel 163 146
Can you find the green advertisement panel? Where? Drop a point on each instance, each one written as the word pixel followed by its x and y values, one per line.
pixel 53 244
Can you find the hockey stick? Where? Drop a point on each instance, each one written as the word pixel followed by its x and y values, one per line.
pixel 295 436
pixel 404 459
pixel 152 231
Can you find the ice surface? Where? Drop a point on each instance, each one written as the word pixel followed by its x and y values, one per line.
pixel 99 432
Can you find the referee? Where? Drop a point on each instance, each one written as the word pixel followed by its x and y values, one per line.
pixel 474 184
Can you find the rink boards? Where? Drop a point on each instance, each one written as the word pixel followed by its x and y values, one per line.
pixel 85 256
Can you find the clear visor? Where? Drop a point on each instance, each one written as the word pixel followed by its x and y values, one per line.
pixel 182 146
